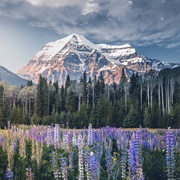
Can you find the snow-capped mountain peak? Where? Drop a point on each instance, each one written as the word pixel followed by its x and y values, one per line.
pixel 64 45
pixel 74 54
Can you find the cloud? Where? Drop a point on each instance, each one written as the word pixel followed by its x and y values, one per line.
pixel 56 3
pixel 173 45
pixel 141 22
pixel 90 8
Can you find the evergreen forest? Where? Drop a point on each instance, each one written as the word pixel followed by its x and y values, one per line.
pixel 151 100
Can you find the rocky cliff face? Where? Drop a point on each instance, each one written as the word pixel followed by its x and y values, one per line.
pixel 74 54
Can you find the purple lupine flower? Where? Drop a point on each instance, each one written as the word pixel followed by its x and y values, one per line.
pixel 94 166
pixel 74 139
pixel 1 139
pixel 49 136
pixel 90 135
pixel 132 163
pixel 135 157
pixel 56 136
pixel 65 141
pixel 98 151
pixel 170 146
pixel 55 166
pixel 15 143
pixel 80 156
pixel 109 161
pixel 71 160
pixel 87 164
pixel 9 174
pixel 70 135
pixel 139 155
pixel 64 169
pixel 123 163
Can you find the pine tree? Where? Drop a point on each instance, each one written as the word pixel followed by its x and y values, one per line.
pixel 1 95
pixel 67 84
pixel 68 81
pixel 55 84
pixel 84 91
pixel 101 84
pixel 122 113
pixel 147 118
pixel 123 76
pixel 71 102
pixel 13 114
pixel 133 118
pixel 3 115
pixel 115 116
pixel 1 118
pixel 19 116
pixel 100 121
pixel 39 102
pixel 89 93
pixel 45 98
pixel 96 91
pixel 42 105
pixel 29 83
pixel 62 98
pixel 134 85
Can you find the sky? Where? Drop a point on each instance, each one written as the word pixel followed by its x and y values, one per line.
pixel 151 26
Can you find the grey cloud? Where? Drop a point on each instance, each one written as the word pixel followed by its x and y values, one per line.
pixel 137 21
pixel 173 45
pixel 57 3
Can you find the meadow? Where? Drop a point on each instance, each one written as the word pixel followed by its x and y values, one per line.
pixel 51 152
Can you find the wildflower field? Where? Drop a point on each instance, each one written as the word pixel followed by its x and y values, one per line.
pixel 50 152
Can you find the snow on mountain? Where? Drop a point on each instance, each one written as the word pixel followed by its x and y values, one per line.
pixel 160 65
pixel 11 78
pixel 62 46
pixel 117 53
pixel 74 54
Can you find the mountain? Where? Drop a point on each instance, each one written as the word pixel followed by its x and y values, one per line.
pixel 11 78
pixel 74 54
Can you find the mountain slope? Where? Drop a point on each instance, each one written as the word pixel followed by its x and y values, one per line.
pixel 74 54
pixel 11 78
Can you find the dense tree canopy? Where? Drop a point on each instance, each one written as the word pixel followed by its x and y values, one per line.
pixel 151 100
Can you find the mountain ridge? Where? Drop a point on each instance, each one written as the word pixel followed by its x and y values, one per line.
pixel 74 54
pixel 11 78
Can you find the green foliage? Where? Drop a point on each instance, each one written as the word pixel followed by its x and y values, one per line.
pixel 19 167
pixel 103 164
pixel 147 118
pixel 29 83
pixel 3 163
pixel 154 164
pixel 177 164
pixel 101 84
pixel 71 102
pixel 46 120
pixel 133 118
pixel 35 119
pixel 1 95
pixel 176 117
pixel 1 118
pixel 44 171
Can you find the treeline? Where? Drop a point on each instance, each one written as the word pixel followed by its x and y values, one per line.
pixel 150 100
